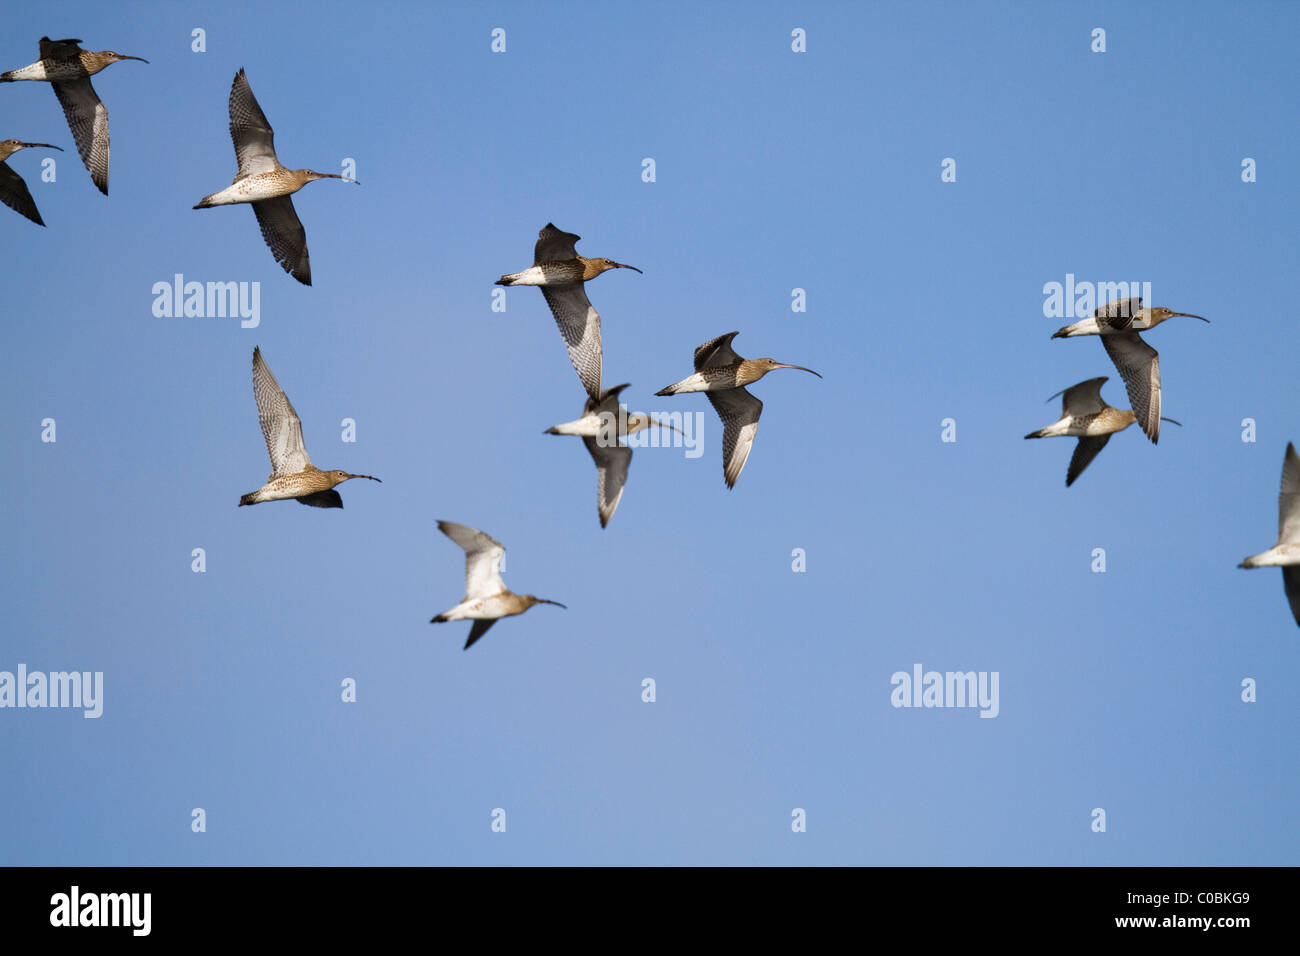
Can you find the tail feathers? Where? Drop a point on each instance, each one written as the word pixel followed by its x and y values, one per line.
pixel 670 390
pixel 204 204
pixel 1062 333
pixel 507 280
pixel 440 619
pixel 1037 434
pixel 248 499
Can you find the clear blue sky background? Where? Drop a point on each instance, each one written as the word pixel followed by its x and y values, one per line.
pixel 775 170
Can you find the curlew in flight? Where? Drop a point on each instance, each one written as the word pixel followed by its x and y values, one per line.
pixel 1086 416
pixel 561 274
pixel 68 68
pixel 292 473
pixel 602 424
pixel 487 599
pixel 264 183
pixel 722 374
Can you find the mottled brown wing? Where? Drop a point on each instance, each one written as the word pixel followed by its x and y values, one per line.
pixel 250 131
pixel 1139 366
pixel 284 234
pixel 739 411
pixel 716 353
pixel 88 120
pixel 579 324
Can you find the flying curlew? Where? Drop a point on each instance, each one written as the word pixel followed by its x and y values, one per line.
pixel 68 68
pixel 561 274
pixel 487 599
pixel 722 374
pixel 1286 553
pixel 1118 324
pixel 602 424
pixel 292 473
pixel 266 184
pixel 13 191
pixel 1086 416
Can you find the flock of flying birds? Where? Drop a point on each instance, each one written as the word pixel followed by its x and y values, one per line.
pixel 562 274
pixel 557 270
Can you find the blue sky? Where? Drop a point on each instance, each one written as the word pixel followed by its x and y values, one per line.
pixel 775 170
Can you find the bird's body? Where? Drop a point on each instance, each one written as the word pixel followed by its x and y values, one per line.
pixel 1118 323
pixel 722 375
pixel 13 190
pixel 1286 553
pixel 1086 415
pixel 561 273
pixel 602 424
pixel 68 69
pixel 487 599
pixel 266 184
pixel 292 473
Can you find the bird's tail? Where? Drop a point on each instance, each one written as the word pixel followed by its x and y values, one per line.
pixel 1041 433
pixel 440 619
pixel 248 499
pixel 509 279
pixel 204 203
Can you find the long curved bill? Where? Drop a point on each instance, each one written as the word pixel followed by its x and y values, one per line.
pixel 1188 315
pixel 620 265
pixel 799 367
pixel 371 477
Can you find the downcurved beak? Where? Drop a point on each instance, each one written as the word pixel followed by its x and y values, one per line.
pixel 660 424
pixel 799 367
pixel 556 603
pixel 1188 315
pixel 620 265
pixel 46 145
pixel 371 477
pixel 122 56
pixel 1171 421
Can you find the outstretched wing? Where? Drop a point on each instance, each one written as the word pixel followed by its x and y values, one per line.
pixel 1288 499
pixel 739 411
pixel 478 630
pixel 1139 366
pixel 1089 447
pixel 88 120
pixel 554 245
pixel 612 462
pixel 15 194
pixel 716 353
pixel 250 131
pixel 281 426
pixel 1119 314
pixel 579 323
pixel 483 555
pixel 1084 398
pixel 283 232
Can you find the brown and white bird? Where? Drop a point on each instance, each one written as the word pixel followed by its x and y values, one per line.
pixel 601 426
pixel 487 599
pixel 562 274
pixel 264 183
pixel 1286 553
pixel 1118 323
pixel 13 190
pixel 292 473
pixel 1086 416
pixel 68 68
pixel 722 375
